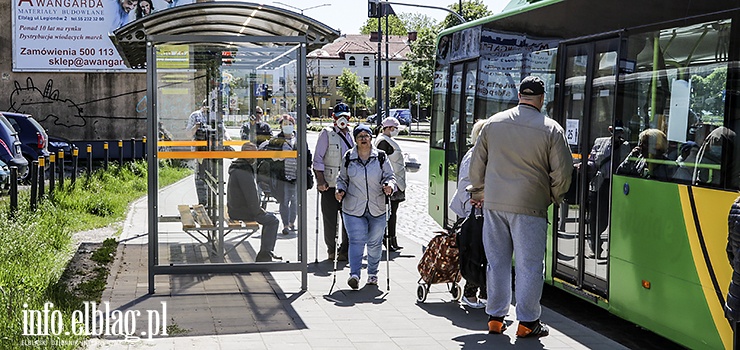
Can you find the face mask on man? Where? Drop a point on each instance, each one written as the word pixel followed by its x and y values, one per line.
pixel 395 132
pixel 342 122
pixel 288 130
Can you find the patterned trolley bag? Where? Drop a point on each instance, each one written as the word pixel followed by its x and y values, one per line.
pixel 440 264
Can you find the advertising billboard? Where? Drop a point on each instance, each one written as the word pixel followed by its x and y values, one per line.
pixel 72 35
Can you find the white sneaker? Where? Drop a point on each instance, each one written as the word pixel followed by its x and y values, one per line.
pixel 372 280
pixel 475 305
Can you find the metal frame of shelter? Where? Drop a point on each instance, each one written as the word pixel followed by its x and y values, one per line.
pixel 223 24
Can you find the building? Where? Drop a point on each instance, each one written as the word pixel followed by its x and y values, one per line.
pixel 356 52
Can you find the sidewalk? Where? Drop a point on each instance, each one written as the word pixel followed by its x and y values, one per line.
pixel 268 311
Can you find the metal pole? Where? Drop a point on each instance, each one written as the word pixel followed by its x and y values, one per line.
pixel 107 153
pixel 34 184
pixel 41 174
pixel 379 83
pixel 75 153
pixel 13 191
pixel 61 169
pixel 387 69
pixel 120 154
pixel 133 148
pixel 52 173
pixel 89 160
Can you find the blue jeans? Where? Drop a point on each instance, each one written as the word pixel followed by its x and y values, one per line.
pixel 364 230
pixel 289 204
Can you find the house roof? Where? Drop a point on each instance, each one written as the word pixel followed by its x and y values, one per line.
pixel 398 46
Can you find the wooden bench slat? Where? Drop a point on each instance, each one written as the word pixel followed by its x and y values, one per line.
pixel 186 217
pixel 202 217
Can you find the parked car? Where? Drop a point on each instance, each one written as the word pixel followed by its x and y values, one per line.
pixel 34 140
pixel 403 116
pixel 10 148
pixel 4 176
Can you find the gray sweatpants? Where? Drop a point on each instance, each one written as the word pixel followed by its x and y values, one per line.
pixel 525 237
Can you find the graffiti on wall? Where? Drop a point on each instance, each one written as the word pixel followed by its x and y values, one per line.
pixel 48 105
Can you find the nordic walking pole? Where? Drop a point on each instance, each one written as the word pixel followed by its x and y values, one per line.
pixel 317 225
pixel 336 252
pixel 387 242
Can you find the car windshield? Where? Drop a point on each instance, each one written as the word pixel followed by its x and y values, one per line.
pixel 7 123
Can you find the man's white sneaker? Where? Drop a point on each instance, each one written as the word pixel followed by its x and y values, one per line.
pixel 474 304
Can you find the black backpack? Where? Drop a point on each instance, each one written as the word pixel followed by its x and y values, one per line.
pixel 381 158
pixel 473 261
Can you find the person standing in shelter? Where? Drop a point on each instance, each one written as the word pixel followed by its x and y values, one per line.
pixel 387 144
pixel 262 131
pixel 197 129
pixel 365 179
pixel 286 172
pixel 521 164
pixel 333 142
pixel 244 203
pixel 473 295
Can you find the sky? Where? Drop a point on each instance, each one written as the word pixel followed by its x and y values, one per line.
pixel 349 15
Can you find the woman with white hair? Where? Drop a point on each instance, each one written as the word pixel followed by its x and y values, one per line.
pixel 386 142
pixel 461 206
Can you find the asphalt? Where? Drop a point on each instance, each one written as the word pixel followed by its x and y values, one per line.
pixel 269 311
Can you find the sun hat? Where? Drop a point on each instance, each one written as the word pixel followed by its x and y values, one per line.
pixel 390 121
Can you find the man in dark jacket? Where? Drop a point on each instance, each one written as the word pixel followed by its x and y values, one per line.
pixel 244 203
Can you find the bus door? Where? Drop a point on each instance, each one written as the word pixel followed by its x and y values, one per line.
pixel 461 114
pixel 588 96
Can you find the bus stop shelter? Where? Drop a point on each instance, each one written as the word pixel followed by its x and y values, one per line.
pixel 222 58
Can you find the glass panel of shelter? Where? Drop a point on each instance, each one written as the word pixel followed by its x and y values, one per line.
pixel 209 100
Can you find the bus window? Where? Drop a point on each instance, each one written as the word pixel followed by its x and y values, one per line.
pixel 678 89
pixel 439 97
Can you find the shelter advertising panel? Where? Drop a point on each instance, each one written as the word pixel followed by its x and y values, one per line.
pixel 72 35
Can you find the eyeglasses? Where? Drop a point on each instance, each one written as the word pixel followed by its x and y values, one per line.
pixel 363 136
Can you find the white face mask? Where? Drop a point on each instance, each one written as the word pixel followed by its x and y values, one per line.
pixel 342 123
pixel 395 132
pixel 288 130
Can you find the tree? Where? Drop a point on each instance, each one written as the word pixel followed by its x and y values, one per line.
pixel 395 26
pixel 472 10
pixel 352 90
pixel 418 72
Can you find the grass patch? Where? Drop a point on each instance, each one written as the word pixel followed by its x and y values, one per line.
pixel 35 247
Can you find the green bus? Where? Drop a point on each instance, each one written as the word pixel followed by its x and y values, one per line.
pixel 649 249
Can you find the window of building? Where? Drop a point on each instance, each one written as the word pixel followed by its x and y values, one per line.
pixel 309 81
pixel 366 80
pixel 337 82
pixel 325 81
pixel 392 82
pixel 366 62
pixel 351 61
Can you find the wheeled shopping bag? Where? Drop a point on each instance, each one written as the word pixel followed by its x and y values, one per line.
pixel 440 264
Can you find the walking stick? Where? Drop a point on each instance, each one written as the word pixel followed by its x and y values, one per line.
pixel 317 226
pixel 387 243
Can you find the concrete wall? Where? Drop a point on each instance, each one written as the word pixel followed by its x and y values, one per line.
pixel 76 106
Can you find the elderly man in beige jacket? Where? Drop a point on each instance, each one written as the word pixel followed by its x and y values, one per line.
pixel 524 161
